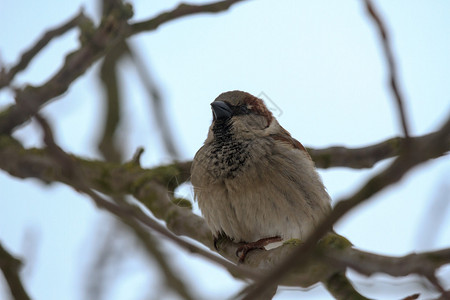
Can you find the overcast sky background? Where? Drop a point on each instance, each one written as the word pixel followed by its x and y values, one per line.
pixel 319 62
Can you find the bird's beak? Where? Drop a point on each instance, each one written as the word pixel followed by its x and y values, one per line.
pixel 221 110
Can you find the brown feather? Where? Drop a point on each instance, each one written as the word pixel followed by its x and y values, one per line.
pixel 285 137
pixel 257 106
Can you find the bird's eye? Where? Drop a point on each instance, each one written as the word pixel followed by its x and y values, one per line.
pixel 241 110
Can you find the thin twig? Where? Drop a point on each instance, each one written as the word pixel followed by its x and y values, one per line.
pixel 112 151
pixel 10 267
pixel 27 56
pixel 156 99
pixel 368 264
pixel 437 284
pixel 110 32
pixel 392 66
pixel 76 63
pixel 108 142
pixel 342 289
pixel 181 10
pixel 365 157
pixel 171 275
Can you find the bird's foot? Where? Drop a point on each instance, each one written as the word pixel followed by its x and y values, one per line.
pixel 217 239
pixel 242 251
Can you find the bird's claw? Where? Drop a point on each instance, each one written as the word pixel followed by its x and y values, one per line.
pixel 242 251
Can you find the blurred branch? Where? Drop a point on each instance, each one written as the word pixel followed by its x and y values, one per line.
pixel 437 284
pixel 435 215
pixel 412 297
pixel 113 29
pixel 443 297
pixel 368 264
pixel 108 6
pixel 105 256
pixel 182 10
pixel 97 43
pixel 112 151
pixel 119 233
pixel 10 267
pixel 171 278
pixel 7 76
pixel 331 256
pixel 392 66
pixel 158 104
pixel 366 157
pixel 108 144
pixel 108 75
pixel 406 161
pixel 341 288
pixel 120 179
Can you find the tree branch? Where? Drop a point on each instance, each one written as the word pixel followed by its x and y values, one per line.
pixel 10 267
pixel 366 263
pixel 25 59
pixel 95 43
pixel 182 10
pixel 341 288
pixel 392 67
pixel 108 75
pixel 151 245
pixel 157 101
pixel 75 65
pixel 366 157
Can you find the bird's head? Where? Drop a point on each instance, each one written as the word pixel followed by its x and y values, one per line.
pixel 241 111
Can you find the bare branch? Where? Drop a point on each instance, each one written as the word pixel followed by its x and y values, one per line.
pixel 368 263
pixel 181 11
pixel 411 297
pixel 107 145
pixel 75 65
pixel 366 157
pixel 393 77
pixel 7 77
pixel 113 29
pixel 444 296
pixel 10 267
pixel 112 152
pixel 151 245
pixel 156 99
pixel 341 288
pixel 437 284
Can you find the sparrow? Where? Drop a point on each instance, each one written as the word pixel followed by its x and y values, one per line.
pixel 254 182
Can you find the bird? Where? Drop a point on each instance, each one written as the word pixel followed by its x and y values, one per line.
pixel 254 183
